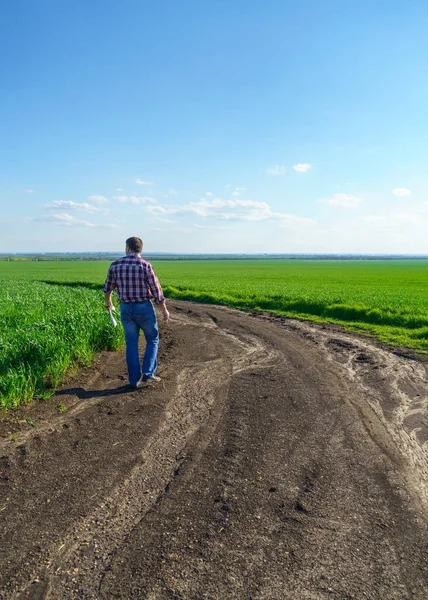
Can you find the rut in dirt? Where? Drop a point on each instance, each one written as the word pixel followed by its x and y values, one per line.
pixel 276 460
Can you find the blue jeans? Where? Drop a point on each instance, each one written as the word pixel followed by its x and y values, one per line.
pixel 136 316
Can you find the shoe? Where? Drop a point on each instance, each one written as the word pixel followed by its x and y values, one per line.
pixel 136 385
pixel 147 379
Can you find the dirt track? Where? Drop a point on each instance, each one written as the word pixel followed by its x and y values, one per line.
pixel 275 460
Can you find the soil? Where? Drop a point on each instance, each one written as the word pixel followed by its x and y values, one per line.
pixel 276 460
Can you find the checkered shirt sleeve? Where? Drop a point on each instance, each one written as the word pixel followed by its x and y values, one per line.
pixel 154 284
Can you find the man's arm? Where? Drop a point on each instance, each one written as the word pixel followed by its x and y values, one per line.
pixel 157 292
pixel 109 285
pixel 165 312
pixel 109 303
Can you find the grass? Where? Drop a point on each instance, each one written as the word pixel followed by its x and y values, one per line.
pixel 387 299
pixel 44 331
pixel 52 315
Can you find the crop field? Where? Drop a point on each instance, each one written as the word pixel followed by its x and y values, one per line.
pixel 44 330
pixel 52 314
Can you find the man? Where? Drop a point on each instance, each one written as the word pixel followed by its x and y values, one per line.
pixel 137 285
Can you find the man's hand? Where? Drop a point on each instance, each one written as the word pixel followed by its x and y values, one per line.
pixel 165 313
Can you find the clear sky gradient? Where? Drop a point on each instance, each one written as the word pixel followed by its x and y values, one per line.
pixel 214 125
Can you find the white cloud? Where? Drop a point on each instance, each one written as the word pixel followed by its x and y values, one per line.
pixel 401 192
pixel 66 220
pixel 276 170
pixel 377 223
pixel 162 220
pixel 231 210
pixel 171 192
pixel 240 189
pixel 210 193
pixel 302 167
pixel 156 210
pixel 135 199
pixel 208 227
pixel 141 182
pixel 394 221
pixel 236 194
pixel 29 191
pixel 293 221
pixel 172 230
pixel 98 199
pixel 119 190
pixel 69 204
pixel 342 200
pixel 408 218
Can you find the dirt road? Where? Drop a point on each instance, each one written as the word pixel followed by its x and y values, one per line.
pixel 275 460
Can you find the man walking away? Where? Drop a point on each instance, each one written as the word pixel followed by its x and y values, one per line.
pixel 137 285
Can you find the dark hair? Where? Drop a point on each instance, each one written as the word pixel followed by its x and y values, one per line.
pixel 134 244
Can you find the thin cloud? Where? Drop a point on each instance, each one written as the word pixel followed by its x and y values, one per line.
pixel 401 192
pixel 208 227
pixel 394 221
pixel 231 210
pixel 119 190
pixel 67 220
pixel 302 167
pixel 135 199
pixel 70 205
pixel 209 193
pixel 374 219
pixel 29 191
pixel 276 170
pixel 162 220
pixel 172 230
pixel 409 219
pixel 287 221
pixel 141 182
pixel 98 199
pixel 160 210
pixel 236 194
pixel 342 200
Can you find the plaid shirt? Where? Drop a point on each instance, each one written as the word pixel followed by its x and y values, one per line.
pixel 134 279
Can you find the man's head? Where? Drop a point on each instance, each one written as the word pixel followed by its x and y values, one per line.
pixel 134 244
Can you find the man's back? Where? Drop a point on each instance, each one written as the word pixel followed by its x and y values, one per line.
pixel 135 280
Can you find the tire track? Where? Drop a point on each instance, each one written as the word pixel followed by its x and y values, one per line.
pixel 94 541
pixel 246 468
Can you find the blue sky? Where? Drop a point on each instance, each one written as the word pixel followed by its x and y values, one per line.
pixel 214 125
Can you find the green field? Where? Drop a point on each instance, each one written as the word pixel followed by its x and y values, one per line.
pixel 52 315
